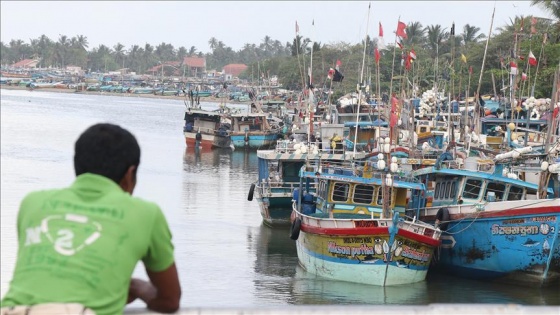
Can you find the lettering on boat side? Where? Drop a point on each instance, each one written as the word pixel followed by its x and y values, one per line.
pixel 398 251
pixel 416 255
pixel 544 219
pixel 515 230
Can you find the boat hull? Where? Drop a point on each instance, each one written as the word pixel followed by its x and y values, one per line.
pixel 368 254
pixel 276 208
pixel 208 141
pixel 254 141
pixel 517 244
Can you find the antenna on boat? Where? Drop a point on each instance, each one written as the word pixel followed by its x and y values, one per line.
pixel 361 83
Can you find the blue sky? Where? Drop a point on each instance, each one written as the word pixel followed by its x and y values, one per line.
pixel 193 23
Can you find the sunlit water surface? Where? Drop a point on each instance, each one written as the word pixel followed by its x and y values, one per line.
pixel 225 256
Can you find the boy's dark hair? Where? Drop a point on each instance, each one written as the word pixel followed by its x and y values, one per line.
pixel 107 150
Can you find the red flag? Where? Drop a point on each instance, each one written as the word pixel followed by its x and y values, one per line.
pixel 470 69
pixel 532 59
pixel 338 64
pixel 380 30
pixel 513 67
pixel 407 63
pixel 412 54
pixel 377 55
pixel 401 30
pixel 524 76
pixel 330 74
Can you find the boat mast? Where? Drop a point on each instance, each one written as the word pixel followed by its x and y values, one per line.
pixel 361 83
pixel 477 101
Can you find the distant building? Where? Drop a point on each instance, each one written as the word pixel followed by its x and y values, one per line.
pixel 233 70
pixel 26 63
pixel 196 66
pixel 75 70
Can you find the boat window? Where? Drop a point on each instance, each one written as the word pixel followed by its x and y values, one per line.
pixel 340 192
pixel 453 190
pixel 472 188
pixel 498 189
pixel 437 192
pixel 447 190
pixel 515 193
pixel 363 194
pixel 380 195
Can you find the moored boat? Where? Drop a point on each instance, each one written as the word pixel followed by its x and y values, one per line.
pixel 252 131
pixel 496 227
pixel 278 176
pixel 347 232
pixel 210 127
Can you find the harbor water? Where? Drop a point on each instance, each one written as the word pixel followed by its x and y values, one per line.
pixel 225 256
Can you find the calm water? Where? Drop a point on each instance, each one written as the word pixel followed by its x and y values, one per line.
pixel 225 256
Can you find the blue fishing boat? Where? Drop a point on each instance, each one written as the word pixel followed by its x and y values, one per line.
pixel 278 176
pixel 498 226
pixel 253 131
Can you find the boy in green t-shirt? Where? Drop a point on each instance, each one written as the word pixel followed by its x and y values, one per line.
pixel 78 246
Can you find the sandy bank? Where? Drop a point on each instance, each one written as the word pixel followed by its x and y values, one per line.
pixel 72 91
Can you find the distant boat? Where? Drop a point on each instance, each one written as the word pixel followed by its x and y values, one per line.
pixel 252 131
pixel 212 125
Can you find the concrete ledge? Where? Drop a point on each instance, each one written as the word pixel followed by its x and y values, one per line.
pixel 443 309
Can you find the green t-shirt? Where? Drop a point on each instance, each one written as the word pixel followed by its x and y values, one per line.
pixel 81 245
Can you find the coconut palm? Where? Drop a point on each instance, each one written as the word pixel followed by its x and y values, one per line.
pixel 471 34
pixel 213 42
pixel 435 36
pixel 415 32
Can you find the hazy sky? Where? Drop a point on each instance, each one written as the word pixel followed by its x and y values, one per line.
pixel 193 23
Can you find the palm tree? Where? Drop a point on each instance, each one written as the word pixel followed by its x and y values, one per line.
pixel 436 35
pixel 471 34
pixel 192 51
pixel 62 47
pixel 213 42
pixel 415 32
pixel 552 8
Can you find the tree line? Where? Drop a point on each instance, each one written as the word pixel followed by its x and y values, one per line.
pixel 444 54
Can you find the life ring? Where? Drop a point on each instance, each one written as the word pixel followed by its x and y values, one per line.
pixel 295 228
pixel 442 219
pixel 251 192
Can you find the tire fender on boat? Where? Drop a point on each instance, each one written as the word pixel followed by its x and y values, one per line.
pixel 251 192
pixel 295 228
pixel 442 219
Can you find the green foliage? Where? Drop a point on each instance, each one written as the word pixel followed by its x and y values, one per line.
pixel 438 57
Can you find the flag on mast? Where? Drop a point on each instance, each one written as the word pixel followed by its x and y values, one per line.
pixel 377 55
pixel 401 30
pixel 532 59
pixel 297 28
pixel 463 58
pixel 533 25
pixel 380 40
pixel 513 68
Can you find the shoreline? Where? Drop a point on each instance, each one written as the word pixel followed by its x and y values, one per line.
pixel 209 99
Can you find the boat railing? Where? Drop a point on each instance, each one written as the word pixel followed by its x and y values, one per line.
pixel 355 168
pixel 267 188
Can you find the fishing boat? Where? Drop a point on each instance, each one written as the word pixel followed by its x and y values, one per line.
pixel 278 176
pixel 496 225
pixel 211 127
pixel 253 131
pixel 353 227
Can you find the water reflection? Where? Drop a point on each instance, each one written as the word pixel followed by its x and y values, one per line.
pixel 310 289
